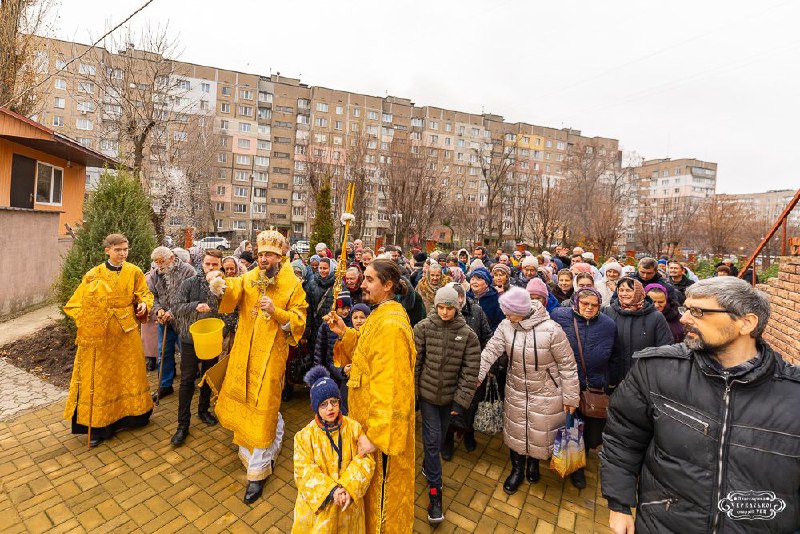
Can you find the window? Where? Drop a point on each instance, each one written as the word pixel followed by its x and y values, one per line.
pixel 322 106
pixel 224 124
pixel 60 83
pixel 264 114
pixel 114 74
pixel 339 110
pixel 665 173
pixel 264 96
pixel 84 124
pixel 321 122
pixel 85 106
pixel 240 192
pixel 61 64
pixel 219 206
pixel 225 107
pixel 259 208
pixel 205 87
pixel 246 94
pixel 49 181
pixel 560 146
pixel 241 176
pixel 108 144
pixel 262 161
pixel 244 127
pixel 219 223
pixel 247 111
pixel 226 90
pixel 433 125
pixel 240 225
pixel 264 129
pixel 183 84
pixel 274 200
pixel 259 192
pixel 85 87
pixel 87 69
pixel 220 189
pixel 60 102
pixel 356 112
pixel 372 115
pixel 548 144
pixel 263 144
pixel 85 141
pixel 417 121
pixel 337 125
pixel 240 208
pixel 179 136
pixel 303 119
pixel 222 157
pixel 242 159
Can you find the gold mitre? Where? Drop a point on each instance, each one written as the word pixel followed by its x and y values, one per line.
pixel 271 241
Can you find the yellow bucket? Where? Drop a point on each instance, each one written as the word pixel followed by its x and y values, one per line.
pixel 207 336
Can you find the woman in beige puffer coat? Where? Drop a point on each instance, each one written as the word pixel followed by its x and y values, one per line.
pixel 541 384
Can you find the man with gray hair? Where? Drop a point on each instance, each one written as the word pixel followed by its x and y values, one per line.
pixel 700 436
pixel 165 283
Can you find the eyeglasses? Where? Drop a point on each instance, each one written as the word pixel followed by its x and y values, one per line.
pixel 698 312
pixel 332 402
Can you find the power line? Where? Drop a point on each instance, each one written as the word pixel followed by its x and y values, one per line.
pixel 71 61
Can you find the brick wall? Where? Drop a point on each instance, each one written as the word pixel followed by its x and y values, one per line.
pixel 783 330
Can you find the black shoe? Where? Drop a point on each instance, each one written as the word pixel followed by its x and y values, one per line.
pixel 162 392
pixel 578 478
pixel 532 472
pixel 94 442
pixel 207 418
pixel 435 514
pixel 286 396
pixel 151 364
pixel 253 491
pixel 448 446
pixel 517 475
pixel 180 436
pixel 469 441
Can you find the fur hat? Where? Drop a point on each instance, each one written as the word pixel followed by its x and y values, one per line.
pixel 447 296
pixel 588 256
pixel 323 387
pixel 515 301
pixel 530 261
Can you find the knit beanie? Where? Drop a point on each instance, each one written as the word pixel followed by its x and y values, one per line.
pixel 581 268
pixel 530 261
pixel 588 256
pixel 323 387
pixel 613 266
pixel 537 288
pixel 482 272
pixel 515 301
pixel 447 296
pixel 501 267
pixel 344 300
pixel 363 308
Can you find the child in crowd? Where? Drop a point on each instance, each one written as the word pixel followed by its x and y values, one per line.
pixel 445 376
pixel 331 471
pixel 323 351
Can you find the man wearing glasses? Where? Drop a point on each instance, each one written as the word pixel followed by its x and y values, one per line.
pixel 700 435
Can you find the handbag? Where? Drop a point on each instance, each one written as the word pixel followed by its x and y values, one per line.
pixel 594 401
pixel 489 417
pixel 569 453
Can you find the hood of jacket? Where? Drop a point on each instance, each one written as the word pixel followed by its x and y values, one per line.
pixel 537 316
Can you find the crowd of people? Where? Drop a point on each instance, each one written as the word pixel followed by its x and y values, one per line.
pixel 681 360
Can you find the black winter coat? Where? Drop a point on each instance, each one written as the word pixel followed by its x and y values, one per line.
pixel 673 293
pixel 597 339
pixel 448 359
pixel 636 330
pixel 319 294
pixel 681 285
pixel 477 320
pixel 323 350
pixel 698 449
pixel 193 291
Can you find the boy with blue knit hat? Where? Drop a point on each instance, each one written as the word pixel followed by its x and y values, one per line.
pixel 330 470
pixel 445 378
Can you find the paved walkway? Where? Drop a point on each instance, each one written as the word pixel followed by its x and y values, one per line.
pixel 21 391
pixel 28 323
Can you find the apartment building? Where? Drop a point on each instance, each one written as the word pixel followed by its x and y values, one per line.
pixel 679 178
pixel 265 131
pixel 767 206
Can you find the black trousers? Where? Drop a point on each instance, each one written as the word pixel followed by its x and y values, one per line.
pixel 435 420
pixel 189 374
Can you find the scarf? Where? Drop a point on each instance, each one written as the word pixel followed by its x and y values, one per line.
pixel 427 290
pixel 638 297
pixel 329 428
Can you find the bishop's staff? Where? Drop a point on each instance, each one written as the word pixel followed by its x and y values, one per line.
pixel 346 218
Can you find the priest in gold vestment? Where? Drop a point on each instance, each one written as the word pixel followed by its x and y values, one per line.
pixel 382 355
pixel 109 391
pixel 272 316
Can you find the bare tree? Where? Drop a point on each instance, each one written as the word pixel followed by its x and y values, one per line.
pixel 23 54
pixel 496 161
pixel 545 213
pixel 717 227
pixel 662 224
pixel 412 176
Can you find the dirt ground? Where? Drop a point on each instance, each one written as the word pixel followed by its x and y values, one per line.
pixel 48 354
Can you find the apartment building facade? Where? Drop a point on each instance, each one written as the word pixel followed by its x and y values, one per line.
pixel 267 130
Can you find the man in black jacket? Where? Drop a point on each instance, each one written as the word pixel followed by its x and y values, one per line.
pixel 700 436
pixel 677 276
pixel 647 273
pixel 193 302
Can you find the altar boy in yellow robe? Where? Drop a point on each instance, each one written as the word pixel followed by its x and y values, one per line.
pixel 272 316
pixel 109 391
pixel 331 474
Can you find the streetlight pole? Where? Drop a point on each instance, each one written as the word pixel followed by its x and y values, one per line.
pixel 396 215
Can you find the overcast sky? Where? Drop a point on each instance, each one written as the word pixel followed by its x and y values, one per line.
pixel 714 80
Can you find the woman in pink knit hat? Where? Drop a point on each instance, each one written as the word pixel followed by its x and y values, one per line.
pixel 541 384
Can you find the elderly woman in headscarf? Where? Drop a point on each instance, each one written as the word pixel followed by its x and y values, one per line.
pixel 639 325
pixel 591 335
pixel 659 294
pixel 244 245
pixel 501 273
pixel 430 284
pixel 607 286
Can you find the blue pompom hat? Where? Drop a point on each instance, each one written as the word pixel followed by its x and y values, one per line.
pixel 323 387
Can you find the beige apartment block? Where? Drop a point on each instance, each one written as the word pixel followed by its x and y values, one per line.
pixel 267 130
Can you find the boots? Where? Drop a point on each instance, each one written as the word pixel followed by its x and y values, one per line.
pixel 449 445
pixel 253 491
pixel 578 478
pixel 469 440
pixel 517 476
pixel 435 514
pixel 532 473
